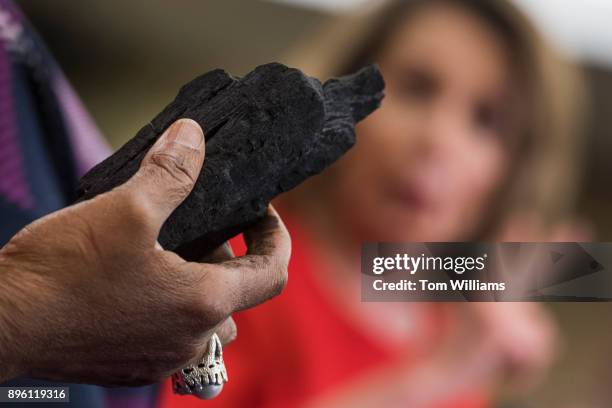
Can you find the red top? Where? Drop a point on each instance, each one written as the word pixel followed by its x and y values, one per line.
pixel 296 347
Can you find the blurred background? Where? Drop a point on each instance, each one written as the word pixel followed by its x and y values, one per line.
pixel 128 59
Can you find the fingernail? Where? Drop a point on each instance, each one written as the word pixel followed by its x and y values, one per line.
pixel 185 132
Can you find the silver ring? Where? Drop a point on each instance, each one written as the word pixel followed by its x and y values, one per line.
pixel 203 380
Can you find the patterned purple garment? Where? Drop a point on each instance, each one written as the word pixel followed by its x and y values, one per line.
pixel 13 184
pixel 89 146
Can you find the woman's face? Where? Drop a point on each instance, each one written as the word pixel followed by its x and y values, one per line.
pixel 427 163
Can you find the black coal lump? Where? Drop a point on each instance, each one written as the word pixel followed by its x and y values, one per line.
pixel 265 133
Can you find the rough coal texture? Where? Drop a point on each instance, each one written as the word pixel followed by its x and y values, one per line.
pixel 265 133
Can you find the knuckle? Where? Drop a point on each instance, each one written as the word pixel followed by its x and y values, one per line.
pixel 176 166
pixel 213 309
pixel 179 350
pixel 203 296
pixel 208 309
pixel 280 276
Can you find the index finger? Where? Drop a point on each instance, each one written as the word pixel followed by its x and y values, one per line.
pixel 261 274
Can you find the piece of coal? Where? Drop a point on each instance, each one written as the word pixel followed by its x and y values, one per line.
pixel 265 133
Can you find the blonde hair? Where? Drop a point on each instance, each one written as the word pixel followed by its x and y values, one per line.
pixel 544 177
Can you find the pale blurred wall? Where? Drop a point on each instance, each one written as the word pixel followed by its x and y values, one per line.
pixel 127 59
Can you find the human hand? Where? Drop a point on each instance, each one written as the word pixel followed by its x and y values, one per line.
pixel 520 338
pixel 88 295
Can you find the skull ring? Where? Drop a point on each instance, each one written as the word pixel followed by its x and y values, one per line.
pixel 204 380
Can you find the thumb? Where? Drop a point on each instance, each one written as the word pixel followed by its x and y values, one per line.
pixel 170 169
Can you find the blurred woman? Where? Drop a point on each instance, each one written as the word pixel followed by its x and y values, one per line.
pixel 474 141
